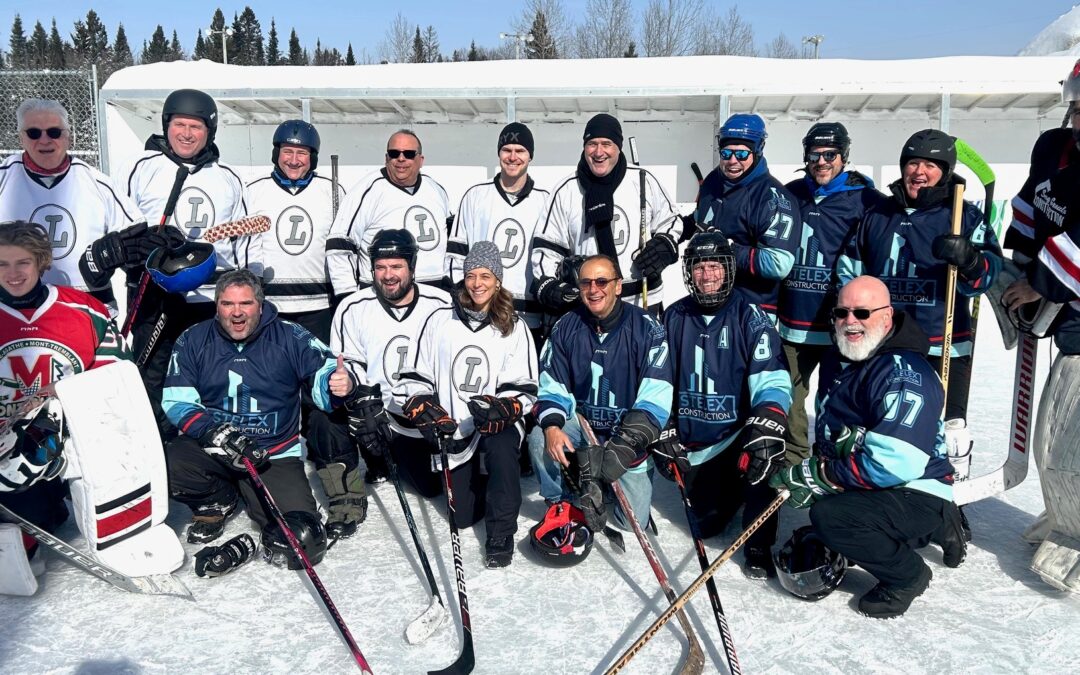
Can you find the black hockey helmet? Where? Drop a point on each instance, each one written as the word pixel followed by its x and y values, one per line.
pixel 394 244
pixel 184 268
pixel 562 538
pixel 806 568
pixel 308 530
pixel 934 145
pixel 827 135
pixel 297 132
pixel 194 103
pixel 709 246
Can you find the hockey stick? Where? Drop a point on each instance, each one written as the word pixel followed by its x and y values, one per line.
pixel 972 160
pixel 695 660
pixel 335 199
pixel 950 293
pixel 298 551
pixel 153 584
pixel 679 602
pixel 644 232
pixel 714 596
pixel 466 660
pixel 423 626
pixel 182 173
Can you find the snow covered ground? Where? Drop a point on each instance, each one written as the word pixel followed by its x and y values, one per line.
pixel 990 615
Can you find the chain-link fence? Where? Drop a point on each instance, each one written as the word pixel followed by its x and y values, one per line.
pixel 75 89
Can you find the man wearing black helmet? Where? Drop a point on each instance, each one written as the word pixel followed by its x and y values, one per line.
pixel 211 193
pixel 906 242
pixel 832 200
pixel 732 394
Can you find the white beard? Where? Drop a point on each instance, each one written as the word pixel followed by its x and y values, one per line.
pixel 861 350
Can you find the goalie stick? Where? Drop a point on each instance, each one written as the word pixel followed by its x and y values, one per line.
pixel 695 660
pixel 153 584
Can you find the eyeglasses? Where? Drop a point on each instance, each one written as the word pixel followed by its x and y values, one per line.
pixel 862 314
pixel 409 154
pixel 741 155
pixel 601 283
pixel 33 133
pixel 828 156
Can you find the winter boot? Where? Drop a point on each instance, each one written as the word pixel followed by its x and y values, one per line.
pixel 208 522
pixel 347 501
pixel 377 471
pixel 950 537
pixel 883 602
pixel 759 563
pixel 499 552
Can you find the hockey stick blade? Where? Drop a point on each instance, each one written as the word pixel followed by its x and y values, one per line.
pixel 464 664
pixel 425 625
pixel 697 172
pixel 154 584
pixel 236 228
pixel 614 537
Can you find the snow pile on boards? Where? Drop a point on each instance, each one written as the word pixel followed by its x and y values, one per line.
pixel 1062 37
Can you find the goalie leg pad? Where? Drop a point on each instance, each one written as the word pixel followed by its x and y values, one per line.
pixel 118 483
pixel 16 576
pixel 1058 562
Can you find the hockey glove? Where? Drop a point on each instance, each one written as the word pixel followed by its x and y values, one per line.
pixel 216 561
pixel 556 295
pixel 430 418
pixel 956 250
pixel 807 481
pixel 626 448
pixel 588 487
pixel 492 414
pixel 762 440
pixel 656 254
pixel 369 424
pixel 226 444
pixel 669 451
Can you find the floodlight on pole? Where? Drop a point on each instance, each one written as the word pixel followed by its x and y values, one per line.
pixel 519 40
pixel 815 40
pixel 224 33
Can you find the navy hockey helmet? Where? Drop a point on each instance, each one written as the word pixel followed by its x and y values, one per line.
pixel 308 530
pixel 562 538
pixel 709 246
pixel 806 568
pixel 296 132
pixel 193 103
pixel 184 268
pixel 394 244
pixel 934 145
pixel 827 135
pixel 748 130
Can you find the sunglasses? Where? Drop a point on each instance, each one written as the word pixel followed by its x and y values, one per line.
pixel 741 155
pixel 33 133
pixel 409 154
pixel 862 314
pixel 828 155
pixel 601 283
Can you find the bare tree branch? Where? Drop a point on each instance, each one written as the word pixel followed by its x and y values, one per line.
pixel 669 27
pixel 607 30
pixel 730 34
pixel 782 48
pixel 397 45
pixel 559 25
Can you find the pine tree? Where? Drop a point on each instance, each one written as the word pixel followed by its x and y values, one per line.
pixel 39 47
pixel 631 51
pixel 273 51
pixel 350 58
pixel 247 40
pixel 157 50
pixel 200 47
pixel 432 51
pixel 91 41
pixel 543 43
pixel 297 55
pixel 474 53
pixel 213 38
pixel 418 55
pixel 175 51
pixel 122 57
pixel 56 58
pixel 19 50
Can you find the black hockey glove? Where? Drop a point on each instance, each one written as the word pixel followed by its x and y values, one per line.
pixel 226 444
pixel 762 441
pixel 626 447
pixel 588 485
pixel 369 424
pixel 557 295
pixel 430 418
pixel 669 451
pixel 958 250
pixel 656 254
pixel 216 561
pixel 492 414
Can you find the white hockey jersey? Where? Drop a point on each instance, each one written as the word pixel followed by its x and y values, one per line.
pixel 294 250
pixel 487 214
pixel 458 359
pixel 80 207
pixel 374 204
pixel 563 232
pixel 378 341
pixel 212 195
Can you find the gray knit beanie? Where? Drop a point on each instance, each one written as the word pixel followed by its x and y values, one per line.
pixel 484 254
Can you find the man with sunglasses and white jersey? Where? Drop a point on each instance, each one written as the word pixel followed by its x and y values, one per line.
pixel 832 199
pixel 397 196
pixel 73 201
pixel 754 211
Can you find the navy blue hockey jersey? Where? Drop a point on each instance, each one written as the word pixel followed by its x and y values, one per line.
pixel 1053 151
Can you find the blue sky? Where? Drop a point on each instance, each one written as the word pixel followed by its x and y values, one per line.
pixel 852 28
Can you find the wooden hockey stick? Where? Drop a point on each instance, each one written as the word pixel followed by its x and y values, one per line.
pixel 950 293
pixel 644 232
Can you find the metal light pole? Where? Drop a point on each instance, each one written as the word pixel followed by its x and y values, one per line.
pixel 519 40
pixel 815 40
pixel 224 33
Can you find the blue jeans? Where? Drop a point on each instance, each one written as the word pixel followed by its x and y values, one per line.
pixel 636 483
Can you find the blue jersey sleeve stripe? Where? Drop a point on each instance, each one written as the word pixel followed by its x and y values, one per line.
pixel 774 263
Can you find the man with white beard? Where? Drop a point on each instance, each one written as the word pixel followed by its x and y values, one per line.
pixel 879 480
